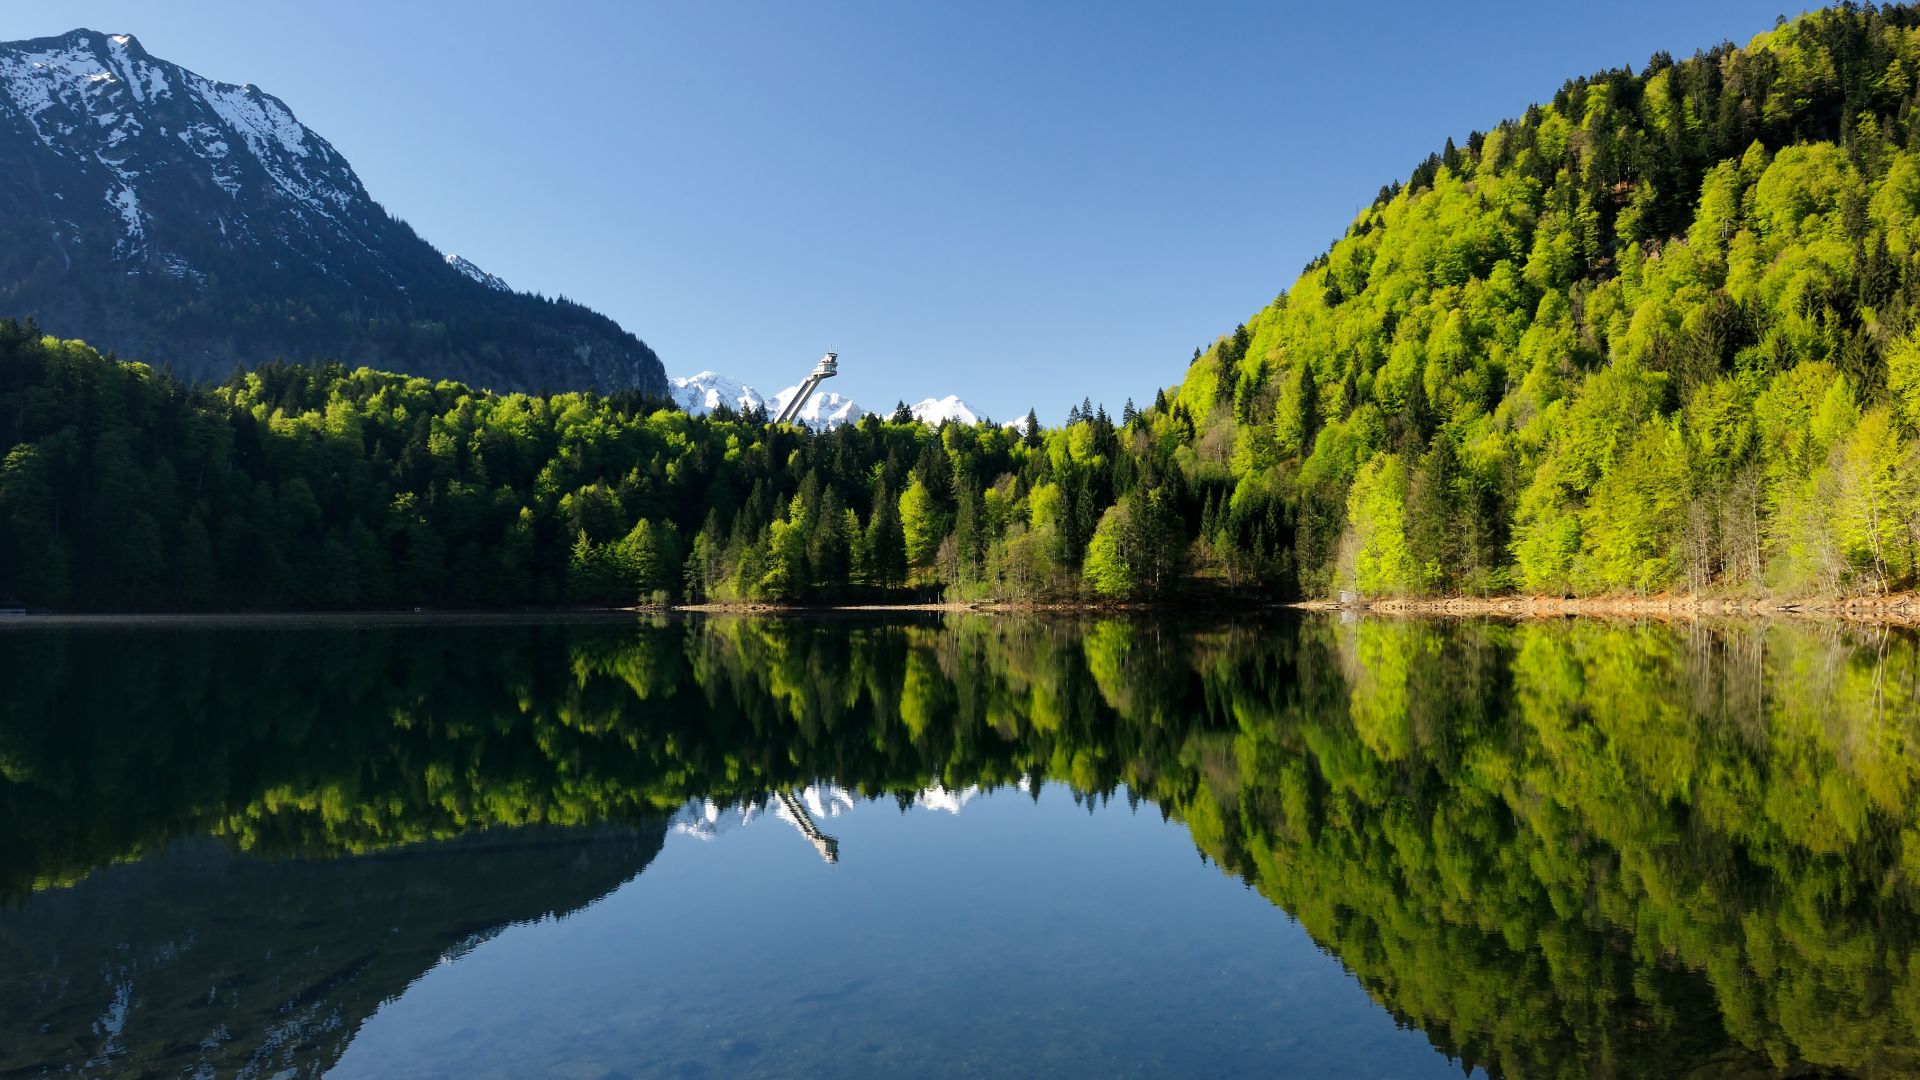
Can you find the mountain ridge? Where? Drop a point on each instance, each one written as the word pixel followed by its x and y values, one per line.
pixel 199 224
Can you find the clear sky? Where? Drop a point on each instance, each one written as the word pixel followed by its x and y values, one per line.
pixel 1021 203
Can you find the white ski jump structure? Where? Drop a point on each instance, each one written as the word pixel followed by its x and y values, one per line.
pixel 827 368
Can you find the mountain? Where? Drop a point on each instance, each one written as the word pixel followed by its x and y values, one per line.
pixel 949 409
pixel 196 223
pixel 701 393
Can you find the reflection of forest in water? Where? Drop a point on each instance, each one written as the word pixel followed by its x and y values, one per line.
pixel 1557 848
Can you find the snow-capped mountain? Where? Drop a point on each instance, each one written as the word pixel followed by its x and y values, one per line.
pixel 182 220
pixel 701 394
pixel 949 409
pixel 825 410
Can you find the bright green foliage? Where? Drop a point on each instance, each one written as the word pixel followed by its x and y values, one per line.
pixel 920 524
pixel 1376 507
pixel 1107 568
pixel 1591 308
pixel 303 487
pixel 1628 542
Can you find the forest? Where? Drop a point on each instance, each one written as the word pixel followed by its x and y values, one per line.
pixel 312 486
pixel 1658 334
pixel 1661 334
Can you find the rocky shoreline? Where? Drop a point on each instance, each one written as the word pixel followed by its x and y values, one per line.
pixel 1900 608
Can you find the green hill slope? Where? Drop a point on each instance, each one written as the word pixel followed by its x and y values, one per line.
pixel 1656 334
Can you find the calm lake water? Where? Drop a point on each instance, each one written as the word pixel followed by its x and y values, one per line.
pixel 959 846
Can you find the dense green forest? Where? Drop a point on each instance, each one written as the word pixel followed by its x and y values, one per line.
pixel 1559 849
pixel 316 486
pixel 1661 333
pixel 1657 334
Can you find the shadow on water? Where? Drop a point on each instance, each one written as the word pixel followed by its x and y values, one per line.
pixel 200 959
pixel 1557 849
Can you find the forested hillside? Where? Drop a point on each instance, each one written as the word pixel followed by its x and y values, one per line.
pixel 1657 334
pixel 316 486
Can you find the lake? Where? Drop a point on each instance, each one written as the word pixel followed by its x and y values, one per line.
pixel 937 845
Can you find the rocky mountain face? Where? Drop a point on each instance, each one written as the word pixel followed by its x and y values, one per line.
pixel 183 221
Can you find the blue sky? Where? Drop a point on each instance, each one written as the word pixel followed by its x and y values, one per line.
pixel 1021 203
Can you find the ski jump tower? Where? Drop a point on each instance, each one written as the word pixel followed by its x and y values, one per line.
pixel 827 368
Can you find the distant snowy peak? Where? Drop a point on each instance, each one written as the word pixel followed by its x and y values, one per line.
pixel 825 410
pixel 949 409
pixel 701 394
pixel 466 267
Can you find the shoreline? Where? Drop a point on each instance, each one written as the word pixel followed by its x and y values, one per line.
pixel 1900 609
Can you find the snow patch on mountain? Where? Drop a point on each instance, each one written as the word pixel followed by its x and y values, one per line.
pixel 127 205
pixel 35 80
pixel 466 267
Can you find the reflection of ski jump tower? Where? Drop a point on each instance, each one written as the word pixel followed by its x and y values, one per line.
pixel 827 368
pixel 827 846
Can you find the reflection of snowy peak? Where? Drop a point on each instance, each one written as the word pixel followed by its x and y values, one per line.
pixel 939 798
pixel 825 410
pixel 705 819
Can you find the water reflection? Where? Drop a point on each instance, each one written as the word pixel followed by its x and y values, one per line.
pixel 704 819
pixel 201 962
pixel 1556 848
